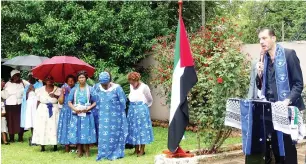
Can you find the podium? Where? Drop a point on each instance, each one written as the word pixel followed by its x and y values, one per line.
pixel 263 125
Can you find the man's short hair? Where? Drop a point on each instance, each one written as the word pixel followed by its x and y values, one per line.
pixel 270 30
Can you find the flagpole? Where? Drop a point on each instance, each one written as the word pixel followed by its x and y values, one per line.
pixel 180 3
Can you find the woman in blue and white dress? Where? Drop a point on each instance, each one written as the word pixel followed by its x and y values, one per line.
pixel 82 126
pixel 65 113
pixel 139 120
pixel 111 104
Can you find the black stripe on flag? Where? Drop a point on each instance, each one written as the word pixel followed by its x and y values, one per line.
pixel 181 117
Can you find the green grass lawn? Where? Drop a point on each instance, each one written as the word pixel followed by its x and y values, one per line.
pixel 22 153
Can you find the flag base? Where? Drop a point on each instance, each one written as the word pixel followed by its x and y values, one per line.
pixel 180 153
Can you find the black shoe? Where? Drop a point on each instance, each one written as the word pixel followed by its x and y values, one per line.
pixel 129 146
pixel 42 149
pixel 55 148
pixel 7 143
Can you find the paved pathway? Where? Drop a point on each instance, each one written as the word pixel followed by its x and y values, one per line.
pixel 240 160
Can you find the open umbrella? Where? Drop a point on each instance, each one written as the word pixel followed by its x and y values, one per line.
pixel 59 67
pixel 25 62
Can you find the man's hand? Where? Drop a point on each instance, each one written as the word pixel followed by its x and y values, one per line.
pixel 287 102
pixel 260 68
pixel 260 64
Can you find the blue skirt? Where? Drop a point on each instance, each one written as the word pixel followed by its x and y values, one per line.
pixel 139 122
pixel 63 125
pixel 82 129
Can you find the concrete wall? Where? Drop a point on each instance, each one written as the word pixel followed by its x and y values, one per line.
pixel 160 112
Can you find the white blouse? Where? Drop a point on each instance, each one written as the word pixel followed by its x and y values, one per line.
pixel 12 92
pixel 142 93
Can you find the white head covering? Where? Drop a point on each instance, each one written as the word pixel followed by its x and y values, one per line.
pixel 14 72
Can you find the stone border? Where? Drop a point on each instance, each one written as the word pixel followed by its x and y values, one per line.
pixel 161 159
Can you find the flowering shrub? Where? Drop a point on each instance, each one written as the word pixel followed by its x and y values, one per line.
pixel 222 70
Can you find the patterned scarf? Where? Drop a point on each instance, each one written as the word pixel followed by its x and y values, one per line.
pixel 281 74
pixel 77 95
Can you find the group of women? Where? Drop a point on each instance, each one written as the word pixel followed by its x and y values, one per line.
pixel 91 115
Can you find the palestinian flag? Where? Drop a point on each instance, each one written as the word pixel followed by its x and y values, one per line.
pixel 184 78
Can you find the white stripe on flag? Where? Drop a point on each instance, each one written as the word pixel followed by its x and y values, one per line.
pixel 176 90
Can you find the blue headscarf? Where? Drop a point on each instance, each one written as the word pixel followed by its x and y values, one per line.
pixel 104 77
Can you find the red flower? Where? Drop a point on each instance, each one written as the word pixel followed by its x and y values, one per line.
pixel 205 65
pixel 206 73
pixel 223 20
pixel 219 80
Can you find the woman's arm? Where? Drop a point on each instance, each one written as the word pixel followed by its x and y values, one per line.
pixel 122 97
pixel 148 96
pixel 61 99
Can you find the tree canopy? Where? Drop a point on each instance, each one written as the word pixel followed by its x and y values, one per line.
pixel 119 33
pixel 253 15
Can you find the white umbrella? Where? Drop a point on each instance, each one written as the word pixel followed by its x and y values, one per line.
pixel 25 62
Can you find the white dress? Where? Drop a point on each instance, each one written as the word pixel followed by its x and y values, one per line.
pixel 30 110
pixel 45 127
pixel 3 119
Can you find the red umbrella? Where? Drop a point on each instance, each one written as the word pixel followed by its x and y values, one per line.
pixel 59 67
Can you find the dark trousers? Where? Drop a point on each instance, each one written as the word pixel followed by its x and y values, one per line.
pixel 273 149
pixel 267 152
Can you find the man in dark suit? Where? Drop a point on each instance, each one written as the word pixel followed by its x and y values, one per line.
pixel 268 44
